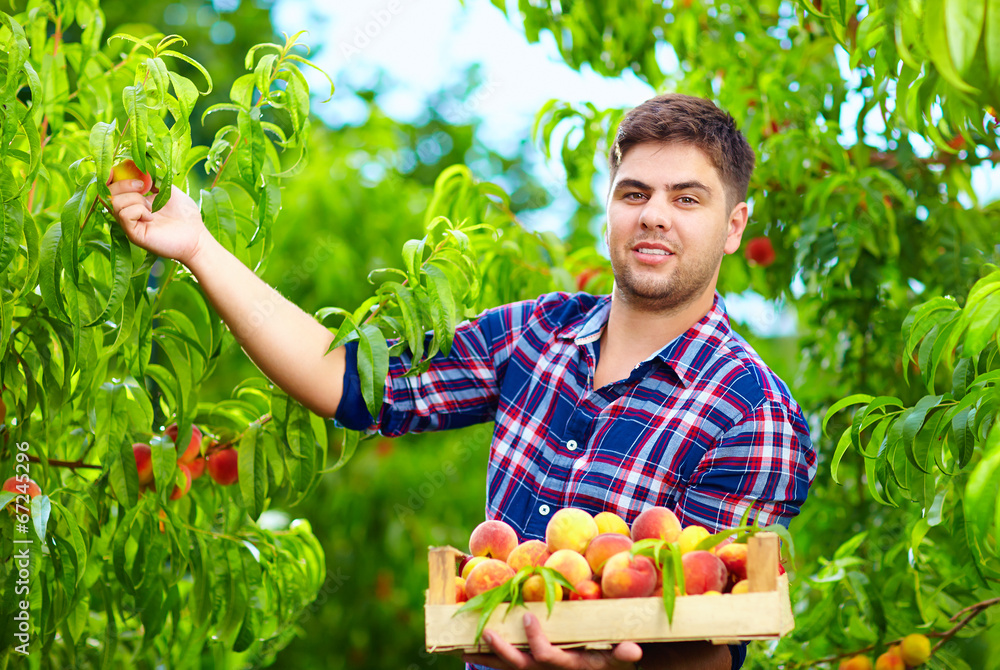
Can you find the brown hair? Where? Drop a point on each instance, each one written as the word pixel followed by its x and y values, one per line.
pixel 685 119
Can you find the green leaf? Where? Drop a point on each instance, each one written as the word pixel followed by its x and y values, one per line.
pixel 991 37
pixel 981 502
pixel 134 98
pixel 373 366
pixel 102 147
pixel 250 151
pixel 856 399
pixel 964 21
pixel 942 32
pixel 252 469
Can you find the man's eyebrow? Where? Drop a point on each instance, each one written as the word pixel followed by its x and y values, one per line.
pixel 693 185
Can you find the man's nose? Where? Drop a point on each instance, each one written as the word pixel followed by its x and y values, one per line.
pixel 656 214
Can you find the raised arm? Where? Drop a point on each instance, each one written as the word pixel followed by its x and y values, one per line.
pixel 287 344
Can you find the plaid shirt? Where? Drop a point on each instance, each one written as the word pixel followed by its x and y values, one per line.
pixel 703 427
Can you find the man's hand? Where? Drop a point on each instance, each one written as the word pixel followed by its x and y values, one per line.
pixel 545 656
pixel 175 231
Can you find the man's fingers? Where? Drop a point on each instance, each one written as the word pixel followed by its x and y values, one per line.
pixel 628 652
pixel 125 186
pixel 132 215
pixel 541 649
pixel 507 652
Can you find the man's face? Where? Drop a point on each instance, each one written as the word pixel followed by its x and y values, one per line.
pixel 669 226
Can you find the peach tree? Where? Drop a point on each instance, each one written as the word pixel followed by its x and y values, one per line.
pixel 129 553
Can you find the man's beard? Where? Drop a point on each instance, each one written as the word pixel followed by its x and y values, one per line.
pixel 665 293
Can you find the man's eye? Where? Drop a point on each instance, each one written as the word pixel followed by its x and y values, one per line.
pixel 634 196
pixel 688 200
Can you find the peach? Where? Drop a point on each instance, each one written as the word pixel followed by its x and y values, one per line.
pixel 467 566
pixel 691 536
pixel 889 661
pixel 488 574
pixel 915 649
pixel 609 522
pixel 528 554
pixel 143 462
pixel 570 565
pixel 224 466
pixel 127 169
pixel 603 547
pixel 460 595
pixel 586 589
pixel 533 590
pixel 734 557
pixel 180 491
pixel 742 586
pixel 197 467
pixel 28 488
pixel 492 539
pixel 656 523
pixel 856 663
pixel 192 450
pixel 711 593
pixel 703 571
pixel 570 528
pixel 628 577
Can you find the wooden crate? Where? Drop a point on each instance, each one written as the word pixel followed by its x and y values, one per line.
pixel 764 613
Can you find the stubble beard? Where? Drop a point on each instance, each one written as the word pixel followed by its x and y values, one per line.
pixel 664 294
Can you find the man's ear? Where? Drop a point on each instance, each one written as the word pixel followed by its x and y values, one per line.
pixel 737 224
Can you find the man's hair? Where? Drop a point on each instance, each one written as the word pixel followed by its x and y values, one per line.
pixel 684 119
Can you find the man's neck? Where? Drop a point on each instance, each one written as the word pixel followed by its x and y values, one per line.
pixel 636 334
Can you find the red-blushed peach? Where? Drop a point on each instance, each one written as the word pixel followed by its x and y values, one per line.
pixel 197 467
pixel 192 450
pixel 493 539
pixel 691 536
pixel 609 522
pixel 628 577
pixel 489 574
pixel 179 491
pixel 224 466
pixel 570 528
pixel 656 523
pixel 528 554
pixel 533 590
pixel 127 169
pixel 603 547
pixel 658 591
pixel 143 462
pixel 703 571
pixel 856 663
pixel 742 586
pixel 734 557
pixel 586 589
pixel 889 661
pixel 460 595
pixel 570 565
pixel 470 564
pixel 28 488
pixel 915 649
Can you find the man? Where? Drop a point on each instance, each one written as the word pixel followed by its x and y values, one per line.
pixel 645 397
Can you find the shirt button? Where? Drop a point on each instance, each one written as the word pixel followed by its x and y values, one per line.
pixel 544 510
pixel 571 445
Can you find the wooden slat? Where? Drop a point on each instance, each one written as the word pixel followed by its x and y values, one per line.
pixel 589 623
pixel 441 570
pixel 762 562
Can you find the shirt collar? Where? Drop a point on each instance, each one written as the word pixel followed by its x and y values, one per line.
pixel 686 355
